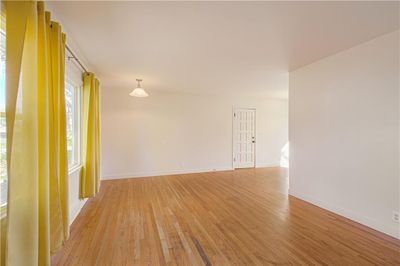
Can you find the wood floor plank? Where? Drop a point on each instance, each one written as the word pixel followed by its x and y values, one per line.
pixel 242 217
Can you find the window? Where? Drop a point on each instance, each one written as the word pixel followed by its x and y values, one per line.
pixel 3 137
pixel 73 111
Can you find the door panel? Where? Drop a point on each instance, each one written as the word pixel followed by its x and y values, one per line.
pixel 244 125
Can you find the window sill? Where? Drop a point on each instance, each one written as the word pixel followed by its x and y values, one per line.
pixel 3 211
pixel 74 169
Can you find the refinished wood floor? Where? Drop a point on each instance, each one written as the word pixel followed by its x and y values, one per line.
pixel 241 217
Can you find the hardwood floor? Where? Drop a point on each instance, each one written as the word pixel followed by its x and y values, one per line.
pixel 241 217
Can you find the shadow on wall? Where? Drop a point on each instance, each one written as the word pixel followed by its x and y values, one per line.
pixel 285 156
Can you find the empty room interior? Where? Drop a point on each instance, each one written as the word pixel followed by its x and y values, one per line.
pixel 199 133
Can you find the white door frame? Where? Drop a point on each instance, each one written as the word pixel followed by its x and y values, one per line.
pixel 233 134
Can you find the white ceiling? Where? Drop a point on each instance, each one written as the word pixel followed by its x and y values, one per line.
pixel 215 47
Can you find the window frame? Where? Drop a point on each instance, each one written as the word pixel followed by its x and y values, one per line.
pixel 3 207
pixel 77 121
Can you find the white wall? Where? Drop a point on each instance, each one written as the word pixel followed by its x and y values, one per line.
pixel 75 204
pixel 169 133
pixel 344 133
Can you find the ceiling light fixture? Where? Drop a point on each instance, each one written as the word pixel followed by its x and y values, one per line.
pixel 139 92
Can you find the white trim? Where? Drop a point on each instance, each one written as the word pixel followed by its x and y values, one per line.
pixel 76 209
pixel 175 172
pixel 74 169
pixel 233 137
pixel 266 165
pixel 161 173
pixel 389 229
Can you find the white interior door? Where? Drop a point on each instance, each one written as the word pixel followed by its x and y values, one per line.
pixel 244 137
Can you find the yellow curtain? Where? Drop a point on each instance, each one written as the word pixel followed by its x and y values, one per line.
pixel 90 175
pixel 37 216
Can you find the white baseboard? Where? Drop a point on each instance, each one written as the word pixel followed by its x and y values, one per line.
pixel 177 172
pixel 76 209
pixel 261 165
pixel 161 173
pixel 389 229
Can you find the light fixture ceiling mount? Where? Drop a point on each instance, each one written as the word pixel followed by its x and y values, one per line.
pixel 139 91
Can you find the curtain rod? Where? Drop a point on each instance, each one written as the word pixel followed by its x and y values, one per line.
pixel 76 58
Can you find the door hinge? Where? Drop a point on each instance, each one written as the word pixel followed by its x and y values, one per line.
pixel 234 114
